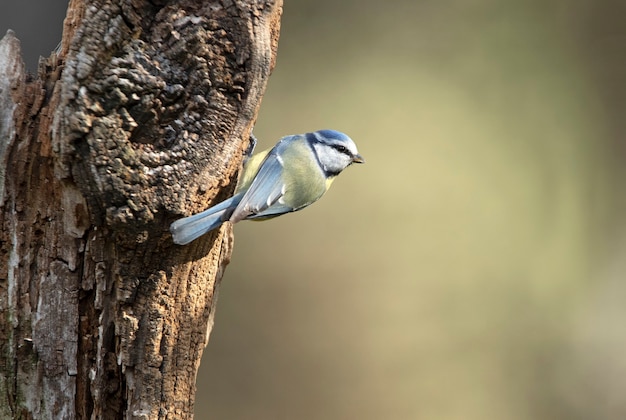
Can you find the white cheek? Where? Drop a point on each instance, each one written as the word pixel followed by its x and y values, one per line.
pixel 331 159
pixel 336 162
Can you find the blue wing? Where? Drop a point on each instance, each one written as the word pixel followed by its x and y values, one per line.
pixel 264 192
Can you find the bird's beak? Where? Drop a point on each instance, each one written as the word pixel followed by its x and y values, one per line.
pixel 358 159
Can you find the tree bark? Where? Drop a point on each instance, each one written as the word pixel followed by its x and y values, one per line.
pixel 141 116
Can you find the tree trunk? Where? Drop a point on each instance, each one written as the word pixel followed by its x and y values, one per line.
pixel 141 116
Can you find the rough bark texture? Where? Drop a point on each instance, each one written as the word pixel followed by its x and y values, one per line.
pixel 141 116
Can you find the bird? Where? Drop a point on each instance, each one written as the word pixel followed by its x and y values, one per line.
pixel 290 176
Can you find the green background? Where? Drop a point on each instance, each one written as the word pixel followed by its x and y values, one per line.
pixel 474 267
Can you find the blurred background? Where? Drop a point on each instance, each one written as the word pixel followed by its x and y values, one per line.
pixel 474 267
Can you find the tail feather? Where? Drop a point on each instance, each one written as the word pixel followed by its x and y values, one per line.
pixel 192 227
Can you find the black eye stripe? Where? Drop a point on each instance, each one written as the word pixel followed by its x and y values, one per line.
pixel 341 149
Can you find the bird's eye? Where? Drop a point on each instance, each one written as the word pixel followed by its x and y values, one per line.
pixel 342 149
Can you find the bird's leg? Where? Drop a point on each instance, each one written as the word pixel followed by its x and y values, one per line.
pixel 251 145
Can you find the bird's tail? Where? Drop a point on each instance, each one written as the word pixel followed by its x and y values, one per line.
pixel 192 227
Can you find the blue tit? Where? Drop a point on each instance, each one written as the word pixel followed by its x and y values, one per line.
pixel 296 172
